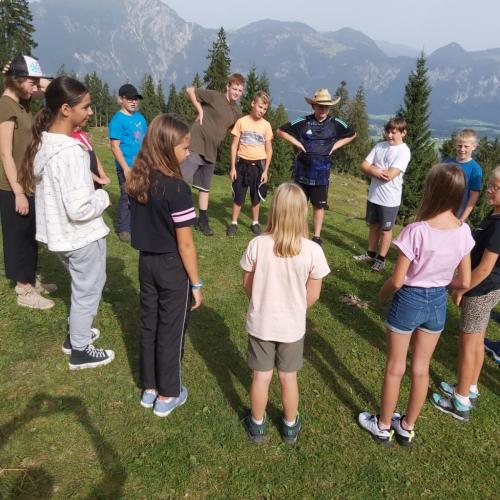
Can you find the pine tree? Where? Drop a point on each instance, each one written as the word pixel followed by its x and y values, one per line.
pixel 341 160
pixel 251 87
pixel 197 81
pixel 419 140
pixel 149 104
pixel 280 169
pixel 447 148
pixel 16 29
pixel 217 72
pixel 160 97
pixel 172 100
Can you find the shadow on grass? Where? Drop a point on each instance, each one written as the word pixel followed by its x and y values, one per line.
pixel 123 296
pixel 36 479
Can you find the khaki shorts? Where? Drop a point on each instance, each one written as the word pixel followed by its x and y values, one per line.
pixel 475 311
pixel 264 355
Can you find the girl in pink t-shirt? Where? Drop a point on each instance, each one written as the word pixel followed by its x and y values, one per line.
pixel 283 271
pixel 433 253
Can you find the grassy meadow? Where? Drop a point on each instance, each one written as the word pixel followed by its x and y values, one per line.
pixel 83 434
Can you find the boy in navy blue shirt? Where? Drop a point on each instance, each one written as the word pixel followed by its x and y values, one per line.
pixel 316 136
pixel 127 128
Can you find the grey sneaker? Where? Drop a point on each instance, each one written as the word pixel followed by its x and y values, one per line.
pixel 66 347
pixel 449 390
pixel 163 408
pixel 363 258
pixel 290 434
pixel 378 265
pixel 231 230
pixel 256 432
pixel 451 406
pixel 90 357
pixel 256 229
pixel 27 296
pixel 369 422
pixel 124 236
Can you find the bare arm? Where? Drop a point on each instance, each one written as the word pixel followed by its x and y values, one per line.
pixel 342 142
pixel 103 179
pixel 118 156
pixel 248 283
pixel 191 92
pixel 187 251
pixel 6 140
pixel 234 151
pixel 471 202
pixel 269 155
pixel 290 139
pixel 378 172
pixel 396 281
pixel 313 290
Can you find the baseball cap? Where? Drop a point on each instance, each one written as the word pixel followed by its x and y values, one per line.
pixel 25 66
pixel 129 91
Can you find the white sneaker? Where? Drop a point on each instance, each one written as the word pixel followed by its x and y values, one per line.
pixel 363 258
pixel 369 422
pixel 44 287
pixel 27 296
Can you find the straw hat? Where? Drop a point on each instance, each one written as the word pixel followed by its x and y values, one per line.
pixel 322 97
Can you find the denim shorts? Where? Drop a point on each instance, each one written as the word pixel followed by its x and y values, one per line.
pixel 420 308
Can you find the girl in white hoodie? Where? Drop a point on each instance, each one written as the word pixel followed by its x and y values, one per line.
pixel 69 211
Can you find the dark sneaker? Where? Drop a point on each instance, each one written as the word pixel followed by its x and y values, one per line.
pixel 231 230
pixel 124 236
pixel 256 229
pixel 290 434
pixel 451 406
pixel 317 240
pixel 204 228
pixel 163 408
pixel 66 347
pixel 378 265
pixel 363 258
pixel 256 432
pixel 369 422
pixel 493 347
pixel 403 437
pixel 90 357
pixel 449 390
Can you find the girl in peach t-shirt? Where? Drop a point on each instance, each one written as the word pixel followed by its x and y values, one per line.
pixel 283 272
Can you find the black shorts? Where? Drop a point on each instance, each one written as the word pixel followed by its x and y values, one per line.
pixel 385 217
pixel 248 175
pixel 317 194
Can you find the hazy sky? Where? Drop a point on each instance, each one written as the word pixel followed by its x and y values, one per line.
pixel 426 24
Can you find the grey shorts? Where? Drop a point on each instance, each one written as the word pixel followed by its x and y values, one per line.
pixel 385 217
pixel 197 171
pixel 264 355
pixel 475 311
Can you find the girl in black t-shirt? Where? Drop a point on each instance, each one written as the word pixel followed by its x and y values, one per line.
pixel 162 214
pixel 476 304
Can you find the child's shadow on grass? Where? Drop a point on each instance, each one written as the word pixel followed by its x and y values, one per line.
pixel 211 338
pixel 43 405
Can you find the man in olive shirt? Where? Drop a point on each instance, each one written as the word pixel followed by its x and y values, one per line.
pixel 217 113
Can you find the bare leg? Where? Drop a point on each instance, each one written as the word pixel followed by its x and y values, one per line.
pixel 255 212
pixel 236 212
pixel 384 242
pixel 373 237
pixel 470 360
pixel 423 348
pixel 259 393
pixel 289 394
pixel 203 200
pixel 397 349
pixel 318 216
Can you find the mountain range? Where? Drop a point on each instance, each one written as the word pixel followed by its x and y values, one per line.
pixel 124 39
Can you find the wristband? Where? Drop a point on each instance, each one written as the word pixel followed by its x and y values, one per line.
pixel 196 286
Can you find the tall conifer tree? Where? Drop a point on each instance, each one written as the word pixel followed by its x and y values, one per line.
pixel 219 66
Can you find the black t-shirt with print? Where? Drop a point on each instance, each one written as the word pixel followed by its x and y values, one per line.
pixel 487 237
pixel 169 206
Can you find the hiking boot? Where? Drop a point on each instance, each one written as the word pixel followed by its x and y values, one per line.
pixel 27 296
pixel 378 265
pixel 256 432
pixel 163 407
pixel 44 287
pixel 449 390
pixel 451 406
pixel 290 434
pixel 363 258
pixel 124 236
pixel 403 437
pixel 90 357
pixel 231 230
pixel 66 347
pixel 148 398
pixel 369 422
pixel 493 347
pixel 256 229
pixel 317 240
pixel 204 228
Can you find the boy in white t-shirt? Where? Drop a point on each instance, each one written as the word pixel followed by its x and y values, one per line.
pixel 386 164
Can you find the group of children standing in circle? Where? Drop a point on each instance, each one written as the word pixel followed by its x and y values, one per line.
pixel 48 173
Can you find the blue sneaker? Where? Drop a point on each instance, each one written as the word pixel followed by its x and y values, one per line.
pixel 449 390
pixel 256 432
pixel 451 406
pixel 162 408
pixel 148 398
pixel 493 348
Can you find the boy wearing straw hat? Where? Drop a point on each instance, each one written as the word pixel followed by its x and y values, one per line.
pixel 316 136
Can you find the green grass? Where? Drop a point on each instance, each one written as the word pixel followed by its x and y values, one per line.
pixel 84 434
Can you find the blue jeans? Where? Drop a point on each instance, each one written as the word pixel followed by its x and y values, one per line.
pixel 123 223
pixel 419 308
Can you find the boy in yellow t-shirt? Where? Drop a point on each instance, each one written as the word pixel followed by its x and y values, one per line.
pixel 251 153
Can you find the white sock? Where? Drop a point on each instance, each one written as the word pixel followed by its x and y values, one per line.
pixel 235 222
pixel 255 222
pixel 290 424
pixel 474 389
pixel 257 422
pixel 462 399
